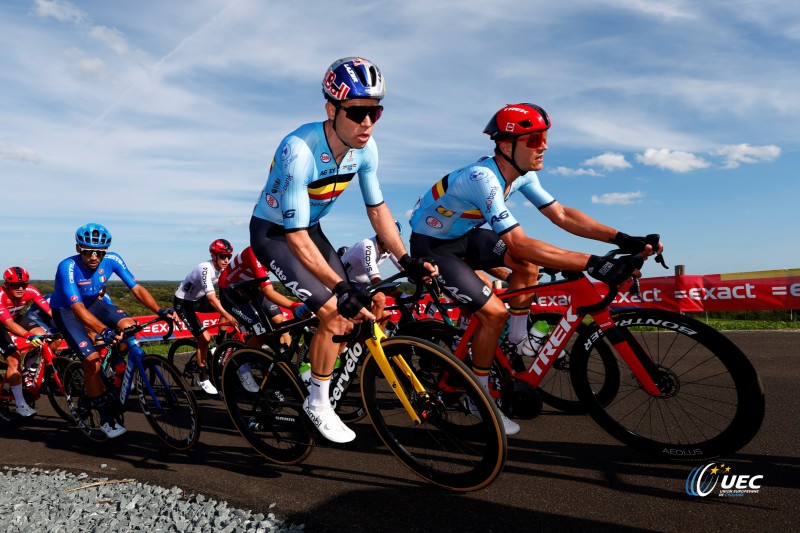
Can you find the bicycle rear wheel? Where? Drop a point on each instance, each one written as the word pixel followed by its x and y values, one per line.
pixel 216 362
pixel 84 416
pixel 182 355
pixel 712 401
pixel 451 447
pixel 168 404
pixel 271 419
pixel 55 388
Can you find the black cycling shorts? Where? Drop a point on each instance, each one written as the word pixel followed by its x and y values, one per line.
pixel 458 259
pixel 272 250
pixel 188 309
pixel 243 309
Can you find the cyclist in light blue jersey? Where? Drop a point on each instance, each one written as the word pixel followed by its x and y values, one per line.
pixel 312 167
pixel 446 227
pixel 83 315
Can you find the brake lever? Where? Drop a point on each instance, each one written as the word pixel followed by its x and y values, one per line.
pixel 635 289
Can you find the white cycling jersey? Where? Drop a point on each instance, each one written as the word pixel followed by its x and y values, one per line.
pixel 361 261
pixel 199 282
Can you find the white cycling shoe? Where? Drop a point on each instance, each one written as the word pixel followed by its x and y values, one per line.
pixel 113 429
pixel 25 410
pixel 208 387
pixel 329 424
pixel 248 382
pixel 511 427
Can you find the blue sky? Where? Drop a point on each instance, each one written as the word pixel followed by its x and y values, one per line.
pixel 159 119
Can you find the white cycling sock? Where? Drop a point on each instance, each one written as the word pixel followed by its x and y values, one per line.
pixel 319 392
pixel 16 390
pixel 518 329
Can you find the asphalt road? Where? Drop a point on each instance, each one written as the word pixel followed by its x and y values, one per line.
pixel 563 472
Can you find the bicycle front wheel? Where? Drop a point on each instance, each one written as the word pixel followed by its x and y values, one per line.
pixel 55 388
pixel 712 401
pixel 271 417
pixel 168 403
pixel 451 447
pixel 182 355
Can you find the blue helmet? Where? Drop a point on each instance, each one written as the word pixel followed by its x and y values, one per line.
pixel 353 77
pixel 93 235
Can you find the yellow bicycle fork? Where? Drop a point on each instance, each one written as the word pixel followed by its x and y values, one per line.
pixel 373 343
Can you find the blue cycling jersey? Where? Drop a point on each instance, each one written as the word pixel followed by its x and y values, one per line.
pixel 470 196
pixel 76 283
pixel 304 179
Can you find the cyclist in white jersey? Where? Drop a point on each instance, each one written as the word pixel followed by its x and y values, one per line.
pixel 312 166
pixel 362 261
pixel 446 226
pixel 196 294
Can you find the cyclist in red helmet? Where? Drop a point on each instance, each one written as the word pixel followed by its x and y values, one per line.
pixel 446 226
pixel 196 294
pixel 15 295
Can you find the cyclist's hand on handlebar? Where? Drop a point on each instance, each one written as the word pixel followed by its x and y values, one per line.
pixel 301 310
pixel 167 314
pixel 352 302
pixel 613 271
pixel 647 245
pixel 108 336
pixel 35 340
pixel 419 268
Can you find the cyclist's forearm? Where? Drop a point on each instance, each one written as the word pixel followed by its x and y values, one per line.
pixel 145 298
pixel 383 223
pixel 541 253
pixel 580 224
pixel 275 297
pixel 309 255
pixel 87 318
pixel 15 328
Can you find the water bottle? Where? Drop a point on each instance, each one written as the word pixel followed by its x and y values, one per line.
pixel 536 336
pixel 305 373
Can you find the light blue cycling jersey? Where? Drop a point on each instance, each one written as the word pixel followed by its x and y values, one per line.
pixel 470 196
pixel 76 283
pixel 304 180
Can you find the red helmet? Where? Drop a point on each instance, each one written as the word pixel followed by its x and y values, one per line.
pixel 515 120
pixel 221 246
pixel 16 275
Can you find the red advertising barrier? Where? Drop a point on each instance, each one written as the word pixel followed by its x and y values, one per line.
pixel 744 291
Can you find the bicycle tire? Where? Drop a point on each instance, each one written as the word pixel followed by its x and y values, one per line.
pixel 86 418
pixel 177 421
pixel 272 419
pixel 55 392
pixel 182 355
pixel 216 362
pixel 450 448
pixel 556 388
pixel 713 401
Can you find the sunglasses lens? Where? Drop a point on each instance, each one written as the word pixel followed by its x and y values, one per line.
pixel 358 113
pixel 89 252
pixel 224 256
pixel 537 140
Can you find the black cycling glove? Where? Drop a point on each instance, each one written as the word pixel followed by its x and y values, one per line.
pixel 350 300
pixel 635 245
pixel 613 271
pixel 164 314
pixel 108 336
pixel 415 266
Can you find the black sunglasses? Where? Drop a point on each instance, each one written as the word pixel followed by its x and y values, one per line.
pixel 224 256
pixel 358 113
pixel 89 252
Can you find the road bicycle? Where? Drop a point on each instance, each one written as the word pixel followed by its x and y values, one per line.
pixel 48 371
pixel 182 354
pixel 165 399
pixel 427 428
pixel 661 382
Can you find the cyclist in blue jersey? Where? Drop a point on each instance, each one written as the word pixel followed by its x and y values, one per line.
pixel 84 317
pixel 446 224
pixel 312 166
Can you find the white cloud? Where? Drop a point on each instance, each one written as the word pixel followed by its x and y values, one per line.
pixel 618 198
pixel 674 160
pixel 18 155
pixel 112 37
pixel 566 171
pixel 60 10
pixel 608 161
pixel 737 154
